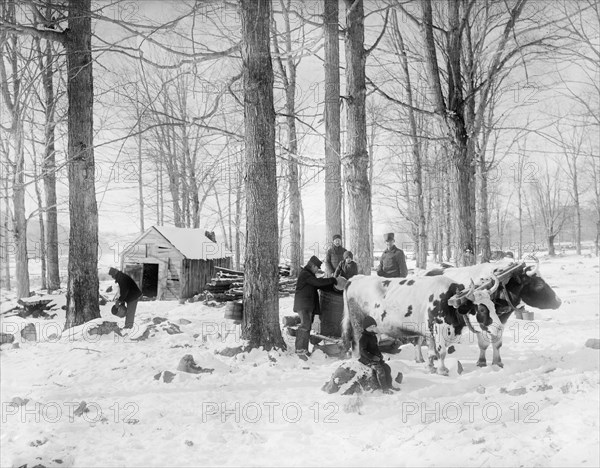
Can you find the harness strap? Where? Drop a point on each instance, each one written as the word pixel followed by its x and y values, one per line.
pixel 507 296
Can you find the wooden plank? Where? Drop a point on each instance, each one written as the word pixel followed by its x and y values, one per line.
pixel 228 270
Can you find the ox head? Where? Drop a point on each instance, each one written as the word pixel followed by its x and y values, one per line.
pixel 478 309
pixel 527 285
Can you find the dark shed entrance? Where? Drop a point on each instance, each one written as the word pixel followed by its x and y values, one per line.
pixel 150 280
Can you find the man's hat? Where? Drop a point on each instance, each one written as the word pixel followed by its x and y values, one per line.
pixel 315 261
pixel 337 236
pixel 388 237
pixel 348 254
pixel 368 321
pixel 112 271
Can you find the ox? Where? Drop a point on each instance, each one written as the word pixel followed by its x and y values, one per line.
pixel 416 306
pixel 519 282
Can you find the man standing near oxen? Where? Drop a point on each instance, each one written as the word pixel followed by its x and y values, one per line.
pixel 306 301
pixel 393 262
pixel 335 254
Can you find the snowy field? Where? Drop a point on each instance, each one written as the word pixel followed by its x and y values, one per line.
pixel 267 409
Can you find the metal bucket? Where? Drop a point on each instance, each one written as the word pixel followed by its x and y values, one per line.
pixel 235 311
pixel 332 312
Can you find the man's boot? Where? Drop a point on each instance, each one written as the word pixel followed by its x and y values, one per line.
pixel 302 338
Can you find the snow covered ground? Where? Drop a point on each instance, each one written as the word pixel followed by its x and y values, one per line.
pixel 267 409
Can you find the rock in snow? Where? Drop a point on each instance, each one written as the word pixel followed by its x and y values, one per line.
pixel 593 343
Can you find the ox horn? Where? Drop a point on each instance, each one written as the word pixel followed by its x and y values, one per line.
pixel 469 292
pixel 495 285
pixel 535 268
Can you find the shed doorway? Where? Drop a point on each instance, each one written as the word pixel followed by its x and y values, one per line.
pixel 150 280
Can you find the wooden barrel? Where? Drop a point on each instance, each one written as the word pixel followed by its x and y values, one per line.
pixel 234 311
pixel 332 312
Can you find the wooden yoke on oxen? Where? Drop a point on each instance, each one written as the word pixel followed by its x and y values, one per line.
pixel 486 287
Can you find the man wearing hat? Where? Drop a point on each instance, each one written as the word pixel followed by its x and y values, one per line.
pixel 347 267
pixel 393 262
pixel 335 254
pixel 128 293
pixel 306 301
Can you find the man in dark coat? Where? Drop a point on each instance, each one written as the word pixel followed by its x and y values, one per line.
pixel 128 293
pixel 393 262
pixel 371 356
pixel 347 267
pixel 306 300
pixel 335 254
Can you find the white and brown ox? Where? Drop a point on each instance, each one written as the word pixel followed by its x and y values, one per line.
pixel 414 306
pixel 519 283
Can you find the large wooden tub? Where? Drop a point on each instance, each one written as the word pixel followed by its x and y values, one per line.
pixel 332 312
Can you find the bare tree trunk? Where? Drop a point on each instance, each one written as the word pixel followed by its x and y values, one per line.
pixel 551 248
pixel 448 219
pixel 421 224
pixel 577 208
pixel 19 219
pixel 140 166
pixel 282 215
pixel 333 184
pixel 13 102
pixel 357 157
pixel 7 243
pixel 238 221
pixel 289 74
pixel 596 186
pixel 49 168
pixel 454 117
pixel 40 203
pixel 484 216
pixel 261 298
pixel 82 285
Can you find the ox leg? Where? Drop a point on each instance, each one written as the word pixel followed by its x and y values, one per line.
pixel 418 351
pixel 356 332
pixel 440 333
pixel 432 352
pixel 496 345
pixel 442 369
pixel 483 343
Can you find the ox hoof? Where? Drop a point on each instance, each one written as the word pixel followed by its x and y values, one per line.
pixel 432 370
pixel 481 364
pixel 499 364
pixel 443 371
pixel 420 361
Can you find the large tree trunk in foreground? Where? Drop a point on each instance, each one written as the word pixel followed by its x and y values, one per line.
pixel 261 297
pixel 333 170
pixel 82 285
pixel 357 157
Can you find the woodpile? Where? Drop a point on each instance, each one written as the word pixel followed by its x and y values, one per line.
pixel 228 285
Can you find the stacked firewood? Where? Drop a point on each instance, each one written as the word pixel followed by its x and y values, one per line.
pixel 228 285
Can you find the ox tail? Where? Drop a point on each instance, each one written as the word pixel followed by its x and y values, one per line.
pixel 347 332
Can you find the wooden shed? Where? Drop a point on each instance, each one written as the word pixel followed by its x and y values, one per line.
pixel 174 263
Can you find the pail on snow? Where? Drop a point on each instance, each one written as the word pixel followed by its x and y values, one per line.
pixel 235 311
pixel 527 315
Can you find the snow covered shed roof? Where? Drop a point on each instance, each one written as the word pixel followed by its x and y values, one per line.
pixel 193 243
